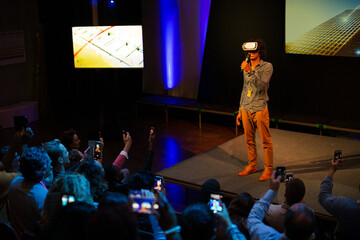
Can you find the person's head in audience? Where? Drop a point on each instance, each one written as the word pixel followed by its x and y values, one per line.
pixel 140 181
pixel 113 221
pixel 209 186
pixel 3 151
pixel 94 173
pixel 299 222
pixel 241 205
pixel 70 222
pixel 58 154
pixel 75 184
pixel 35 164
pixel 198 222
pixel 110 198
pixel 70 140
pixel 75 156
pixel 15 162
pixel 239 210
pixel 113 174
pixel 70 184
pixel 295 191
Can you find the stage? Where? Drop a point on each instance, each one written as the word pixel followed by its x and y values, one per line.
pixel 307 156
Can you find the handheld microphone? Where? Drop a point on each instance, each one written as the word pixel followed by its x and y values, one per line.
pixel 246 59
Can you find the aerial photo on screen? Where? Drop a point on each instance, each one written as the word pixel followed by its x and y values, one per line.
pixel 323 27
pixel 108 47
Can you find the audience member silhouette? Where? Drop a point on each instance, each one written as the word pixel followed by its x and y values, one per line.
pixel 70 140
pixel 239 210
pixel 113 220
pixel 198 222
pixel 299 221
pixel 294 193
pixel 207 188
pixel 64 187
pixel 27 193
pixel 59 156
pixel 70 222
pixel 346 210
pixel 94 173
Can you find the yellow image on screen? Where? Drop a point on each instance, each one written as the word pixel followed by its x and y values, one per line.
pixel 108 47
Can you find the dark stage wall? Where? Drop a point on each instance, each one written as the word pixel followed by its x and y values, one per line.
pixel 107 94
pixel 306 88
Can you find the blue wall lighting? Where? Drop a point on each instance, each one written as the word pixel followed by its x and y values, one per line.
pixel 173 153
pixel 170 43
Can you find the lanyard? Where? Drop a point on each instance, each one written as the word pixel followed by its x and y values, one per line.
pixel 41 182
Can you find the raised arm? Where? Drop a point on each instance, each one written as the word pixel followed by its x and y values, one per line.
pixel 124 154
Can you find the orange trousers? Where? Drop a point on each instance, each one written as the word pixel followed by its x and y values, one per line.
pixel 262 122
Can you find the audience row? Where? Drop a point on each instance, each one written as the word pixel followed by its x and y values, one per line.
pixel 54 191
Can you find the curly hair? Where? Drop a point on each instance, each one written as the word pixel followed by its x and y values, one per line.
pixel 198 222
pixel 142 180
pixel 94 173
pixel 76 184
pixel 261 48
pixel 32 162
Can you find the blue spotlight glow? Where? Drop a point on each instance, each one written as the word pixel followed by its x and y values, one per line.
pixel 357 52
pixel 173 154
pixel 170 42
pixel 111 2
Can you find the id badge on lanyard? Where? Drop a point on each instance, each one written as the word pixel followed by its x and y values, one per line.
pixel 249 93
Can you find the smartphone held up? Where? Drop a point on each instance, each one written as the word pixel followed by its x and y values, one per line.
pixel 215 203
pixel 95 149
pixel 67 198
pixel 159 184
pixel 338 156
pixel 280 171
pixel 142 204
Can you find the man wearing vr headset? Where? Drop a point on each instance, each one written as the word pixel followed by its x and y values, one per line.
pixel 253 109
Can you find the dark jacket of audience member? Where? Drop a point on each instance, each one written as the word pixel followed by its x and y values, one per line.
pixel 70 223
pixel 112 221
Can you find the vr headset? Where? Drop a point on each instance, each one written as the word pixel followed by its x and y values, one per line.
pixel 250 47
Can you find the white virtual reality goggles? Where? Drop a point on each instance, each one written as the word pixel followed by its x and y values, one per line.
pixel 250 47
